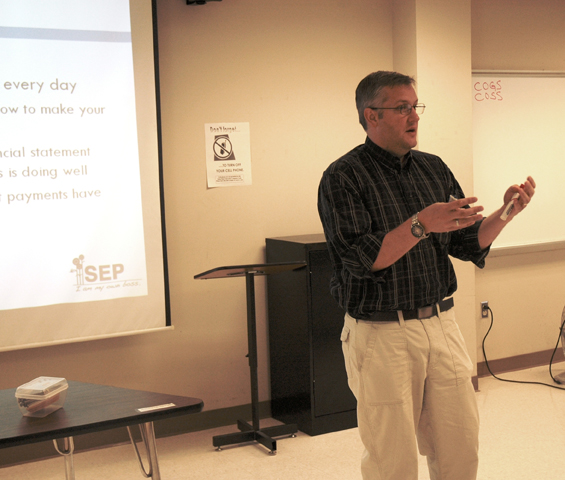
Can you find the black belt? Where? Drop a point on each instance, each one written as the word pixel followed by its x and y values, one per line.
pixel 419 313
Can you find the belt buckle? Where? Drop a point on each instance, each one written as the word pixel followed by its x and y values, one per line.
pixel 425 312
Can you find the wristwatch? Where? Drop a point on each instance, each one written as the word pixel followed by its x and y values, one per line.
pixel 417 228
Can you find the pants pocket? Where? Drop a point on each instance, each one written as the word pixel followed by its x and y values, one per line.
pixel 385 373
pixel 462 364
pixel 352 375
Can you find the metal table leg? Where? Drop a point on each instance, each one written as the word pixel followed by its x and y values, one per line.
pixel 67 452
pixel 148 436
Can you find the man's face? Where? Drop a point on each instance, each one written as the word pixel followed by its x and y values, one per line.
pixel 395 132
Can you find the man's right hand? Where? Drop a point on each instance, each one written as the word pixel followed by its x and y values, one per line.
pixel 448 217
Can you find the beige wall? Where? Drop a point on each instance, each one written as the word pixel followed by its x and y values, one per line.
pixel 290 69
pixel 525 291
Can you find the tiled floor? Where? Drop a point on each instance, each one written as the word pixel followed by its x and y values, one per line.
pixel 522 437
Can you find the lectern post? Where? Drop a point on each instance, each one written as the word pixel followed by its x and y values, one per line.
pixel 253 432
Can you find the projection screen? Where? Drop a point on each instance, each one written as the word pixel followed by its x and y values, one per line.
pixel 82 228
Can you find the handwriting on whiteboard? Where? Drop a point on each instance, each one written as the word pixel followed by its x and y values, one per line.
pixel 488 90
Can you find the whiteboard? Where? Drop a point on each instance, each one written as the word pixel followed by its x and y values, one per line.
pixel 518 130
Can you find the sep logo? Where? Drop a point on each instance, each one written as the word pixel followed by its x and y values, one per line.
pixel 95 273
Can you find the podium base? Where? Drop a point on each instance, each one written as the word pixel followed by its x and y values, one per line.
pixel 248 433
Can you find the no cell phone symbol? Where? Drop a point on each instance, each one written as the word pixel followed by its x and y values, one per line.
pixel 223 149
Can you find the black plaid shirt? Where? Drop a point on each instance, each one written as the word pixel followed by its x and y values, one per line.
pixel 366 194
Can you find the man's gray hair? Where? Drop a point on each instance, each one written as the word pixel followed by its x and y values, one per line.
pixel 370 88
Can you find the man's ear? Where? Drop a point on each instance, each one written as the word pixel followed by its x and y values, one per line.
pixel 371 117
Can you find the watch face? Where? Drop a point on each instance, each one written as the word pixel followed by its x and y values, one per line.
pixel 417 230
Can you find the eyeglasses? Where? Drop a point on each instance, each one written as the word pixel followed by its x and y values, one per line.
pixel 405 109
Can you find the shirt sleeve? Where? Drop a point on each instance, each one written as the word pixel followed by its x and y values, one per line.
pixel 465 246
pixel 348 226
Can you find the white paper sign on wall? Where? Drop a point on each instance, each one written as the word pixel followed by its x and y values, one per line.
pixel 228 154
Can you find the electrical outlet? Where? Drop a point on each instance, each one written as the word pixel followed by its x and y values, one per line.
pixel 484 309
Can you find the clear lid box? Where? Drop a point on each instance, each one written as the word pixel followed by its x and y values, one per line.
pixel 41 396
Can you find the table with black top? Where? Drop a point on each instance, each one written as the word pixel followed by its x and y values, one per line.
pixel 92 408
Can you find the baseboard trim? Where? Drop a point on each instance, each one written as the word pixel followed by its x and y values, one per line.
pixel 163 428
pixel 519 362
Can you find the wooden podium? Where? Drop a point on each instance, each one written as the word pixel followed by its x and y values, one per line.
pixel 250 433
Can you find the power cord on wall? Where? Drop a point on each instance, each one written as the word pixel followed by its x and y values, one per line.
pixel 556 345
pixel 518 381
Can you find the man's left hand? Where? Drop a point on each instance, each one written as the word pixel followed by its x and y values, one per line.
pixel 525 193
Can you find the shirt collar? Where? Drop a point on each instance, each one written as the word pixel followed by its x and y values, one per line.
pixel 387 159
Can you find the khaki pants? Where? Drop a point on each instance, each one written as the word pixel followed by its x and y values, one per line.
pixel 412 381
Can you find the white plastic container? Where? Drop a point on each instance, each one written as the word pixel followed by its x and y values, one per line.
pixel 41 396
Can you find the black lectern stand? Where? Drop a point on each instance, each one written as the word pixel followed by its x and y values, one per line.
pixel 250 433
